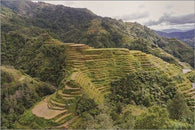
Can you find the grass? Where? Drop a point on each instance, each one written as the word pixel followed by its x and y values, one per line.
pixel 29 120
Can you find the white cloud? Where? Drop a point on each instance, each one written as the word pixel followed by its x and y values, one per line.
pixel 173 20
pixel 126 10
pixel 133 16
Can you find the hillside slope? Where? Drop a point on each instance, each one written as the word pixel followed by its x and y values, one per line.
pixel 187 36
pixel 19 92
pixel 42 57
pixel 91 72
pixel 82 26
pixel 118 75
pixel 179 35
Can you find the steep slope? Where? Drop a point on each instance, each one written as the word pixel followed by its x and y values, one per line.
pixel 187 36
pixel 87 80
pixel 179 35
pixel 106 65
pixel 18 93
pixel 82 26
pixel 90 74
pixel 42 57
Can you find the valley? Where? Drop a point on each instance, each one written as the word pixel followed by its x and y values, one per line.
pixel 68 68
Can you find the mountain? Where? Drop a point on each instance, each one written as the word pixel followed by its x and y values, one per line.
pixel 187 37
pixel 67 68
pixel 171 30
pixel 74 25
pixel 179 35
pixel 87 80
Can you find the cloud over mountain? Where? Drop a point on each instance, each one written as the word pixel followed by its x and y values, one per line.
pixel 172 20
pixel 133 16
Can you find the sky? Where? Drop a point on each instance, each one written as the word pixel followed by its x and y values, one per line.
pixel 156 15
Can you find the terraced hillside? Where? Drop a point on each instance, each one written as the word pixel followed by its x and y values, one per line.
pixel 97 68
pixel 90 72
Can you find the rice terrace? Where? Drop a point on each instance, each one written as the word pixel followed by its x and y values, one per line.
pixel 68 68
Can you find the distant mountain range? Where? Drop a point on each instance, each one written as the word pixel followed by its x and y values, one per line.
pixel 187 36
pixel 172 30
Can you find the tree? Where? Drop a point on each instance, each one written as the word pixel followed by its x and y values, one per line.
pixel 178 108
pixel 127 121
pixel 119 107
pixel 155 117
pixel 101 121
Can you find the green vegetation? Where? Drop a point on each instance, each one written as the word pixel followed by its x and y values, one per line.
pixel 30 121
pixel 29 57
pixel 73 25
pixel 180 50
pixel 120 77
pixel 191 76
pixel 48 84
pixel 179 110
pixel 87 105
pixel 143 88
pixel 147 81
pixel 18 93
pixel 155 118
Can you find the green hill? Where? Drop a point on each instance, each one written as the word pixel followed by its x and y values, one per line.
pixel 93 77
pixel 42 57
pixel 119 76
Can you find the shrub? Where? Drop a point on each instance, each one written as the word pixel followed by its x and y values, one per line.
pixel 155 118
pixel 178 108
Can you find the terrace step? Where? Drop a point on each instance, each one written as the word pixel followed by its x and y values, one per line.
pixel 58 104
pixel 65 95
pixel 71 88
pixel 51 106
pixel 62 117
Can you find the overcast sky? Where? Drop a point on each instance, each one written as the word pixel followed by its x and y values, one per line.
pixel 154 14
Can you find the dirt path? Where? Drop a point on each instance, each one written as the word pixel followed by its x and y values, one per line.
pixel 74 75
pixel 186 70
pixel 42 110
pixel 193 85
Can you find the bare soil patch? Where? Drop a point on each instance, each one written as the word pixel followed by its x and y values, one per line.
pixel 42 110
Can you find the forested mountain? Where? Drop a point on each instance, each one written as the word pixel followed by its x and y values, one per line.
pixel 187 36
pixel 82 26
pixel 118 75
pixel 179 35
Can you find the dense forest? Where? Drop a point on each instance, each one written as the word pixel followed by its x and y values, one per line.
pixel 119 75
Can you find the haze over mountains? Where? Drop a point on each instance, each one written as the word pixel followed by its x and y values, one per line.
pixel 172 30
pixel 67 67
pixel 185 36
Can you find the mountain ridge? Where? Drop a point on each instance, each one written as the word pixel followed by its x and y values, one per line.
pixel 78 70
pixel 185 36
pixel 83 27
